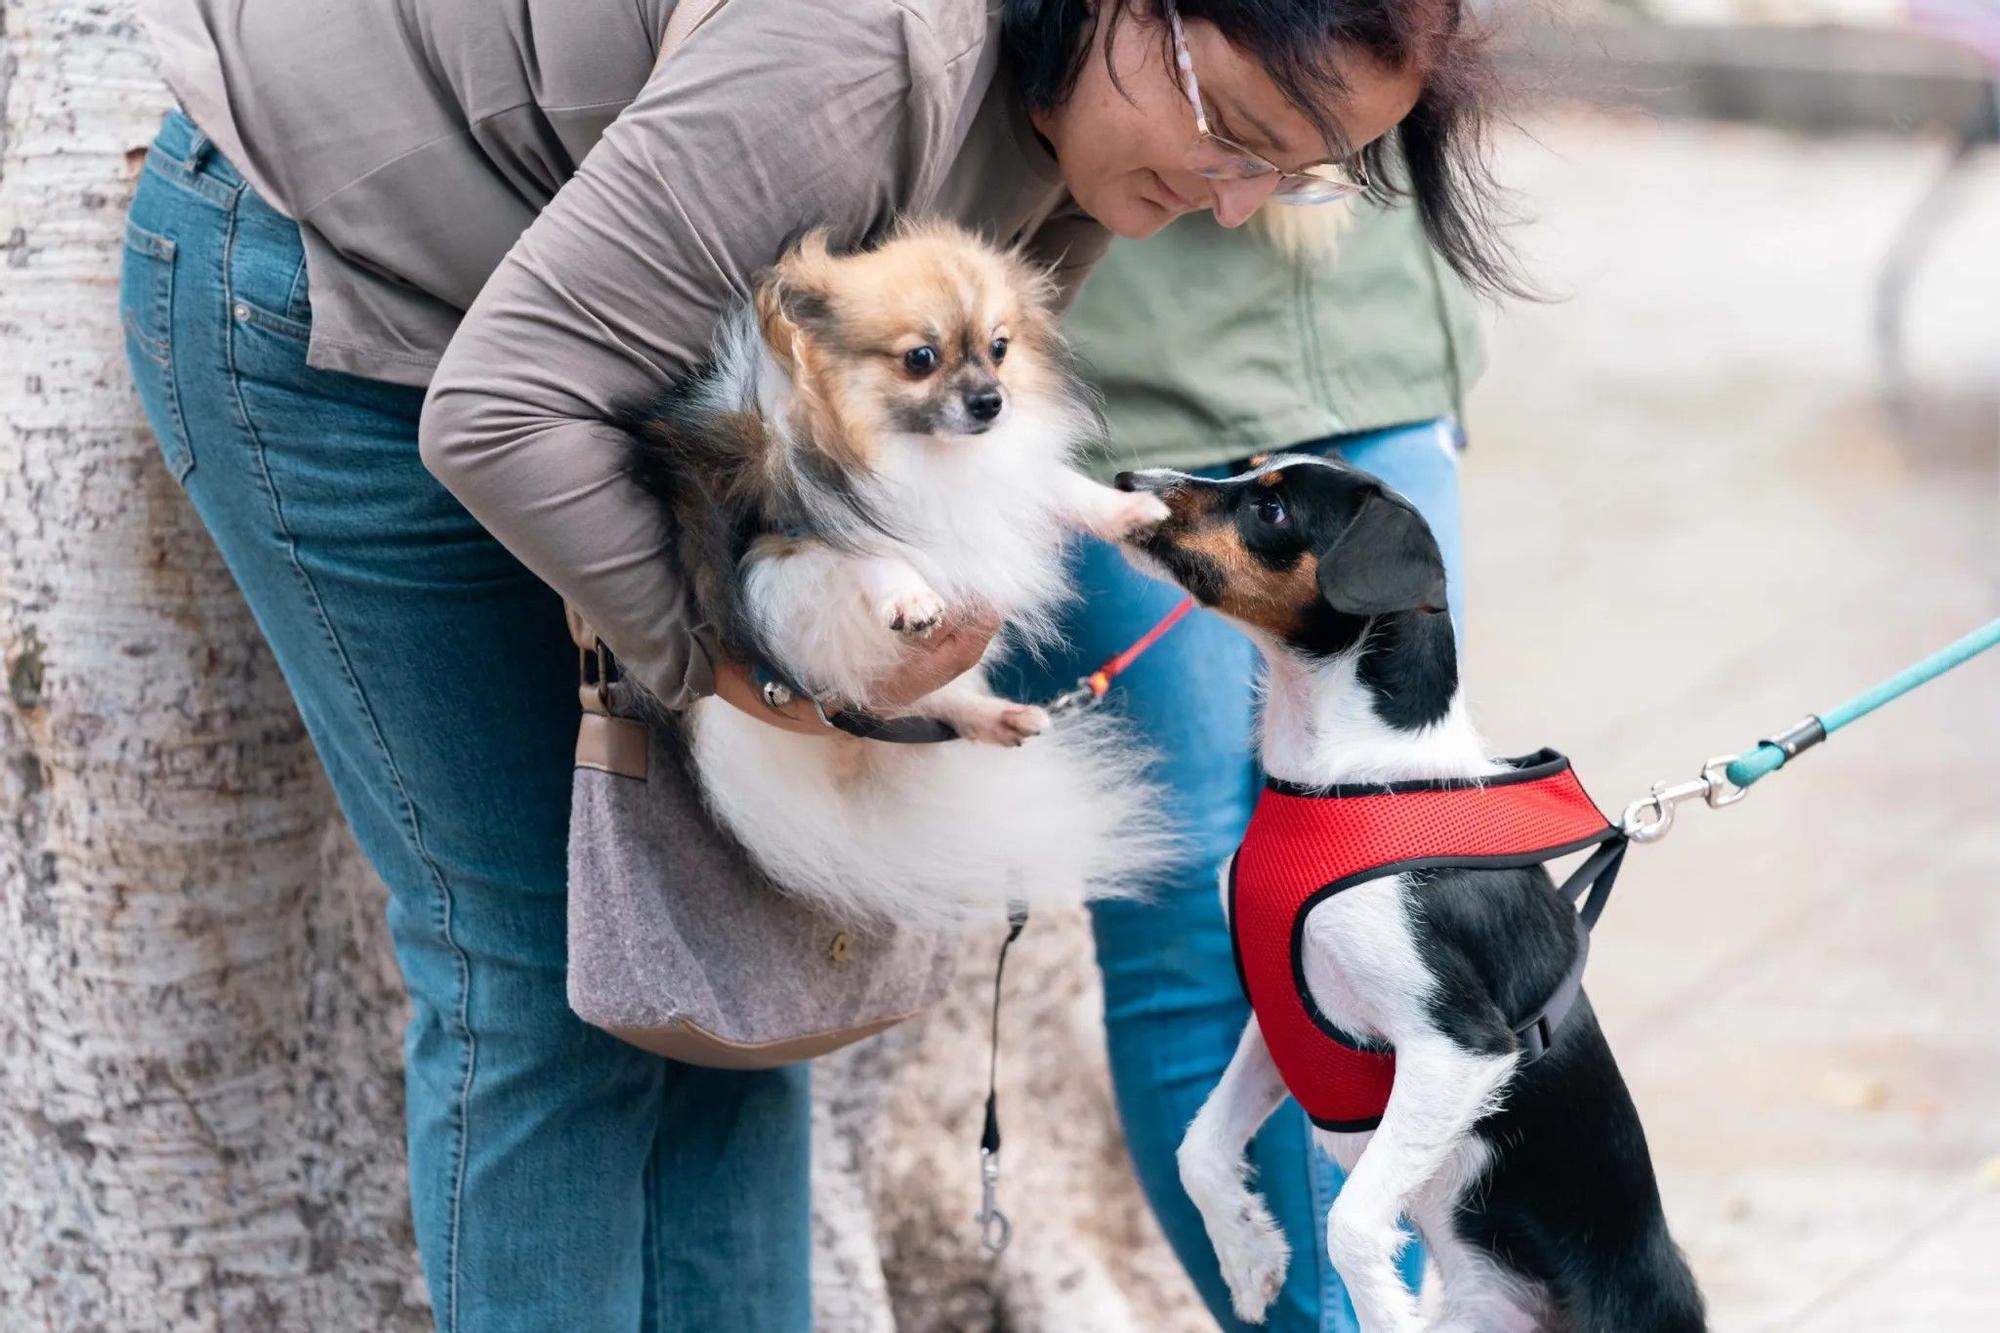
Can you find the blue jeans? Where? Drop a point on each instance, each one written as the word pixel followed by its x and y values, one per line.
pixel 559 1178
pixel 1172 1007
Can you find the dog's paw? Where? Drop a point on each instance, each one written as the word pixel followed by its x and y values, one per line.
pixel 915 612
pixel 1253 1259
pixel 1002 723
pixel 1131 514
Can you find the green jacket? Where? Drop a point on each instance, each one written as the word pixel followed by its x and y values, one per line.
pixel 1211 344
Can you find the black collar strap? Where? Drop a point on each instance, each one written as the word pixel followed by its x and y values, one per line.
pixel 858 722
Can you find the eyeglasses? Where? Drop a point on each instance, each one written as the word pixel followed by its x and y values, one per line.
pixel 1215 158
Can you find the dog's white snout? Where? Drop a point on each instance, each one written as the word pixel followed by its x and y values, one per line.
pixel 1153 480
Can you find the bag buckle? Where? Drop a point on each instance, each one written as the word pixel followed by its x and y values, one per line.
pixel 598 689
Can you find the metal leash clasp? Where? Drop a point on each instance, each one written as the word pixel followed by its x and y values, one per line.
pixel 994 1228
pixel 1651 817
pixel 1076 698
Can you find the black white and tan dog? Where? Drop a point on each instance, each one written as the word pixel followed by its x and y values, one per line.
pixel 882 442
pixel 1423 1007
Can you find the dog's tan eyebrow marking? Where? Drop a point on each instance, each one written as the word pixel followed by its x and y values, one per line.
pixel 1278 600
pixel 1275 477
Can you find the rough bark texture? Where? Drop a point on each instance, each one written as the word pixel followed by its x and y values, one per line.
pixel 200 1088
pixel 200 1099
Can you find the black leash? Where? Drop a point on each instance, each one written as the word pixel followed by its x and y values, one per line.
pixel 994 1228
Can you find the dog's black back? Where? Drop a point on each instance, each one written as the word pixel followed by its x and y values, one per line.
pixel 1570 1201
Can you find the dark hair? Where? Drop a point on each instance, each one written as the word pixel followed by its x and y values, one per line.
pixel 1442 142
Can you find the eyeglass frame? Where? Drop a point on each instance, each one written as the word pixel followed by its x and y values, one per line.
pixel 1355 181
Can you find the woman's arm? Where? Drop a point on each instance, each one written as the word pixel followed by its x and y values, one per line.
pixel 771 117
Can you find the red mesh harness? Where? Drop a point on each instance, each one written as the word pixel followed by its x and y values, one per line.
pixel 1304 845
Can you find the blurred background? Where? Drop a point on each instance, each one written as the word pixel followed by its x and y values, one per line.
pixel 1743 464
pixel 1748 464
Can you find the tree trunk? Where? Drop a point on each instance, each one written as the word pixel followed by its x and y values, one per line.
pixel 200 1098
pixel 200 1082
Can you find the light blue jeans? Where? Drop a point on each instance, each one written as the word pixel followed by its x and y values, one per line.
pixel 560 1179
pixel 1173 1009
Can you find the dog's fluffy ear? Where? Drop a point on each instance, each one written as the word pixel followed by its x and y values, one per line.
pixel 1384 561
pixel 794 295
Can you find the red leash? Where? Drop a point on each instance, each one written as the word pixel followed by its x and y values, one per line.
pixel 1089 689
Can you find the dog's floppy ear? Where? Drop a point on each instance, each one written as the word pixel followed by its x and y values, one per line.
pixel 1384 561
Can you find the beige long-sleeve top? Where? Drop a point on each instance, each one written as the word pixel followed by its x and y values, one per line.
pixel 522 204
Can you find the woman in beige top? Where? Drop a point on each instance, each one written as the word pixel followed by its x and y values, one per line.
pixel 527 208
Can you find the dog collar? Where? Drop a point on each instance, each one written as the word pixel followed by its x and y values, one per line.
pixel 1306 844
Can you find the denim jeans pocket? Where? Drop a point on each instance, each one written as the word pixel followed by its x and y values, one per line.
pixel 146 310
pixel 267 272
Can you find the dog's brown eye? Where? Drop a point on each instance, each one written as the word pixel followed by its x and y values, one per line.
pixel 1270 509
pixel 920 360
pixel 999 350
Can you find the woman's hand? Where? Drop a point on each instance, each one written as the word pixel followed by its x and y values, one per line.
pixel 927 664
pixel 934 662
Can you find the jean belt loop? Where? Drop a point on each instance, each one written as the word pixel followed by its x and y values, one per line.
pixel 199 150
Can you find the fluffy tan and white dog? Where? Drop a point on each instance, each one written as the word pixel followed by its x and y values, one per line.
pixel 882 442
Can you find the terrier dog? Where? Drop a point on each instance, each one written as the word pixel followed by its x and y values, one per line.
pixel 1527 1178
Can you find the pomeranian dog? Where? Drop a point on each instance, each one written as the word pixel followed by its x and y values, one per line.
pixel 881 442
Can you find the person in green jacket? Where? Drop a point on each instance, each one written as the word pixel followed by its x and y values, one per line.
pixel 1305 331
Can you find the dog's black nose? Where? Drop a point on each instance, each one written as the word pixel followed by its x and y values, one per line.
pixel 984 404
pixel 1126 481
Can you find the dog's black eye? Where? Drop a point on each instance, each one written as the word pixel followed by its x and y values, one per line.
pixel 1269 509
pixel 999 350
pixel 920 360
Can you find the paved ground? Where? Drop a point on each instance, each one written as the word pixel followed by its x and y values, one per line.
pixel 1693 519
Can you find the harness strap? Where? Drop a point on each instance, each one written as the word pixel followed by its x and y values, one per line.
pixel 1589 885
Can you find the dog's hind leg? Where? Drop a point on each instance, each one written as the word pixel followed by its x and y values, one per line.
pixel 1442 1089
pixel 1248 1244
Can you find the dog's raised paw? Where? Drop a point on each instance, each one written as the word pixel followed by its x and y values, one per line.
pixel 1003 723
pixel 916 614
pixel 1024 720
pixel 1135 513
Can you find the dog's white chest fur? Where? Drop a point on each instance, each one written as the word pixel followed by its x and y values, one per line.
pixel 983 520
pixel 936 835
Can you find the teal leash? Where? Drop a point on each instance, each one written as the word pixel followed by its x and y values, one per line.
pixel 1727 779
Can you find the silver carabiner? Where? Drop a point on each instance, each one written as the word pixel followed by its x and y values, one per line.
pixel 1074 699
pixel 1651 817
pixel 995 1231
pixel 1640 827
pixel 1721 791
